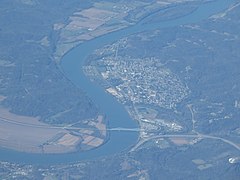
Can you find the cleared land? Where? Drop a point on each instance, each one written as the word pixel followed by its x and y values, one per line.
pixel 27 134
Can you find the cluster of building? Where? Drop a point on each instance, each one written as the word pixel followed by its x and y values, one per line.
pixel 138 83
pixel 142 81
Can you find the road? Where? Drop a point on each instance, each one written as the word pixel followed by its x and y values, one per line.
pixel 203 136
pixel 197 135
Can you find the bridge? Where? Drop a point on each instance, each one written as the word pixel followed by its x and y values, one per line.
pixel 196 135
pixel 125 129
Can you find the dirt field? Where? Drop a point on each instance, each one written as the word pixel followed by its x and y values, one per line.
pixel 27 134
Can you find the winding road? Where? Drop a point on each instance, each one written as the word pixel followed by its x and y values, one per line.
pixel 202 136
pixel 141 142
pixel 124 131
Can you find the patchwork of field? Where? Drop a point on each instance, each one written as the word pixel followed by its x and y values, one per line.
pixel 102 18
pixel 27 134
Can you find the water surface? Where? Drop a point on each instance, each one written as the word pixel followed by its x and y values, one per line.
pixel 117 116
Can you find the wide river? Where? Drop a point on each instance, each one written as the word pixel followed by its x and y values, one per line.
pixel 116 114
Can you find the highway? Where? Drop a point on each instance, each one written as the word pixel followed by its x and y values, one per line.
pixel 142 141
pixel 202 136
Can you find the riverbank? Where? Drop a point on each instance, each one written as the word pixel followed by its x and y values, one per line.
pixel 115 112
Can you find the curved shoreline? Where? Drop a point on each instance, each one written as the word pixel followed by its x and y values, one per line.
pixel 71 66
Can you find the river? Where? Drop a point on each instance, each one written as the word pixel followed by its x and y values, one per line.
pixel 116 115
